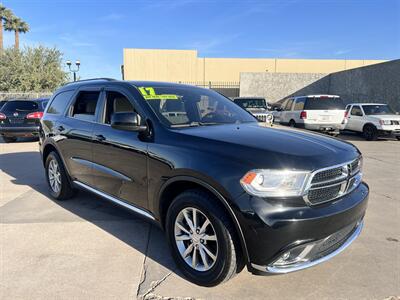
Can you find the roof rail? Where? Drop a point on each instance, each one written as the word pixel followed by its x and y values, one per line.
pixel 92 79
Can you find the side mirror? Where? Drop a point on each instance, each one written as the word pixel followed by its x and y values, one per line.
pixel 127 121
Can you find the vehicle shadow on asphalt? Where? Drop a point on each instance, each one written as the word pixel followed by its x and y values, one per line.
pixel 26 169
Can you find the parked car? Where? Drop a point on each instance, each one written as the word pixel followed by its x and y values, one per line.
pixel 20 118
pixel 227 192
pixel 373 120
pixel 258 107
pixel 314 112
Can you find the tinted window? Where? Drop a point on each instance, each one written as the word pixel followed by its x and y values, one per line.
pixel 20 106
pixel 324 103
pixel 299 105
pixel 59 103
pixel 85 106
pixel 191 106
pixel 356 111
pixel 378 110
pixel 115 103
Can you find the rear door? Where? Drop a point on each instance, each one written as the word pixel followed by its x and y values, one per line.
pixel 74 134
pixel 324 110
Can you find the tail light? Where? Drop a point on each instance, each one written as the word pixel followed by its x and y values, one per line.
pixel 303 115
pixel 2 116
pixel 35 115
pixel 346 113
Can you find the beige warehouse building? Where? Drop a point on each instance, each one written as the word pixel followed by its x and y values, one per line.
pixel 186 66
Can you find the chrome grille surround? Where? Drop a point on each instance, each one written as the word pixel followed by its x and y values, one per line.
pixel 330 183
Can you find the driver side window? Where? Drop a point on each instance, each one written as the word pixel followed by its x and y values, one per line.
pixel 115 103
pixel 356 111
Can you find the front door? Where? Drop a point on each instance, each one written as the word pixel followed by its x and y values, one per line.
pixel 355 119
pixel 119 156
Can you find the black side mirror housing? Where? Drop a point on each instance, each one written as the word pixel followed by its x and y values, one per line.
pixel 129 121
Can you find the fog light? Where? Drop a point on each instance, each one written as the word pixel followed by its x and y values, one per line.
pixel 296 255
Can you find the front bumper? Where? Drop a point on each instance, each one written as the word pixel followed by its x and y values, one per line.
pixel 19 131
pixel 272 230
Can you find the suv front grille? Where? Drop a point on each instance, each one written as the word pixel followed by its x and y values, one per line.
pixel 330 183
pixel 261 118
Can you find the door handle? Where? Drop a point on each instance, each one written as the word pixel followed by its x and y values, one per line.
pixel 100 137
pixel 60 128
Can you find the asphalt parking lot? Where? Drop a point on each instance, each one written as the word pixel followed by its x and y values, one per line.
pixel 87 248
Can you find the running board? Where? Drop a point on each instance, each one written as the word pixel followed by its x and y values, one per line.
pixel 115 200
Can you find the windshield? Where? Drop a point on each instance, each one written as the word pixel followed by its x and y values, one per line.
pixel 324 103
pixel 251 103
pixel 191 106
pixel 378 110
pixel 20 106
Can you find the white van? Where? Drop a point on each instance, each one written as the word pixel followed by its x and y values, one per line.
pixel 314 112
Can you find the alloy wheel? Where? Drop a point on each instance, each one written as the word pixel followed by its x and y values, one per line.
pixel 54 175
pixel 196 239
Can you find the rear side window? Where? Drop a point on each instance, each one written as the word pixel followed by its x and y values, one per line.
pixel 59 103
pixel 299 105
pixel 323 103
pixel 20 106
pixel 85 106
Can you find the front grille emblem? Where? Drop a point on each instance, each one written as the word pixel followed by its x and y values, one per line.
pixel 15 114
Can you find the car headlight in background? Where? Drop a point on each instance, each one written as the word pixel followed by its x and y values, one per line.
pixel 274 183
pixel 385 122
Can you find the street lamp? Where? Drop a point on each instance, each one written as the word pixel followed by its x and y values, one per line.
pixel 73 70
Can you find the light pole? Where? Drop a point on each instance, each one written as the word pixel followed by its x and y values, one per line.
pixel 75 70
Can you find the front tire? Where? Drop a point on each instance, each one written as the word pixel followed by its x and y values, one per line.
pixel 57 178
pixel 201 239
pixel 370 133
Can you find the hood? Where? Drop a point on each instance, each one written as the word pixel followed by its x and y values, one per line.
pixel 257 110
pixel 280 148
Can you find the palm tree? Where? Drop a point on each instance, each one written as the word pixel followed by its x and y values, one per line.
pixel 5 14
pixel 18 26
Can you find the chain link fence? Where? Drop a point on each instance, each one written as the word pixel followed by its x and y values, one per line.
pixel 21 95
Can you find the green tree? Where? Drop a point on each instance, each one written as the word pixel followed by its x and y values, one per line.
pixel 18 26
pixel 33 69
pixel 5 14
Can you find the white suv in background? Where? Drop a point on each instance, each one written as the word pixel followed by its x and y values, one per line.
pixel 373 120
pixel 314 112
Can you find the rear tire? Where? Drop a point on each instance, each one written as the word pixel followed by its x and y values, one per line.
pixel 9 139
pixel 57 178
pixel 208 255
pixel 292 123
pixel 398 138
pixel 370 132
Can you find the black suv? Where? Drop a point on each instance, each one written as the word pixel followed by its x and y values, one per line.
pixel 21 118
pixel 227 191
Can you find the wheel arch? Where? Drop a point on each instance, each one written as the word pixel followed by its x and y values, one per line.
pixel 369 124
pixel 179 184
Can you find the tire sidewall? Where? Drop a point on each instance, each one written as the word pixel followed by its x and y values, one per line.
pixel 64 179
pixel 216 274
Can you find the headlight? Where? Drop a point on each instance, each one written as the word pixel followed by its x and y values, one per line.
pixel 385 122
pixel 274 183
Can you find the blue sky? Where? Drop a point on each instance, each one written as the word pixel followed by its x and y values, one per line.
pixel 96 31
